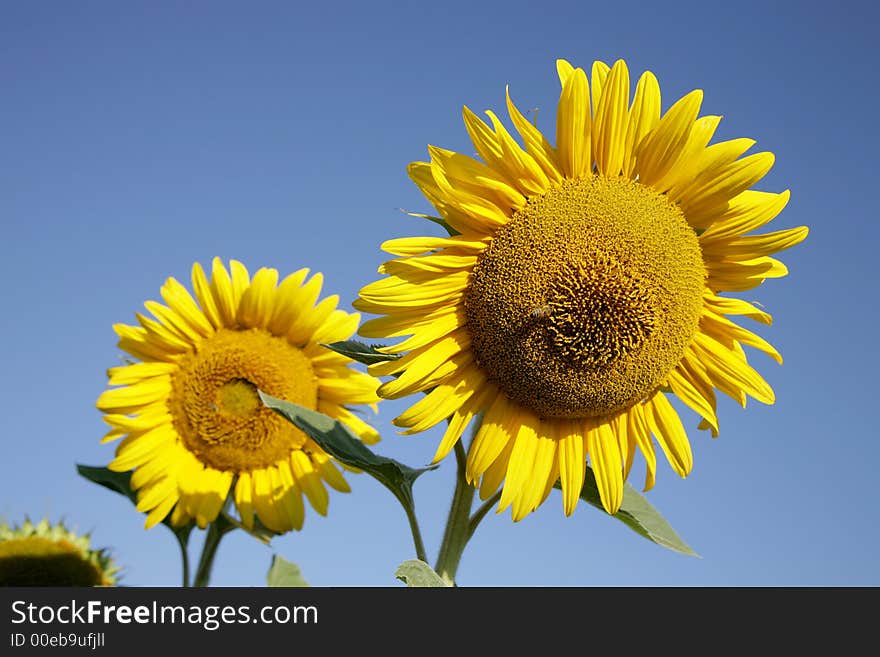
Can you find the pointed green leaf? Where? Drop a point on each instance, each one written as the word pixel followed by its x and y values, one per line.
pixel 337 440
pixel 284 573
pixel 416 573
pixel 360 351
pixel 638 514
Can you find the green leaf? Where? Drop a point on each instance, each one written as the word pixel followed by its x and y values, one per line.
pixel 120 482
pixel 360 351
pixel 284 573
pixel 337 440
pixel 416 573
pixel 638 514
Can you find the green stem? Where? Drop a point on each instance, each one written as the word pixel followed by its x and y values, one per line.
pixel 216 530
pixel 184 558
pixel 457 531
pixel 416 532
pixel 480 513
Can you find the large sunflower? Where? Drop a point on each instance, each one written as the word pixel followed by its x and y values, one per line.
pixel 194 425
pixel 583 287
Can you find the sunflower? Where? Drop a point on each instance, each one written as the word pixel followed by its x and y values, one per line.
pixel 51 555
pixel 193 423
pixel 582 286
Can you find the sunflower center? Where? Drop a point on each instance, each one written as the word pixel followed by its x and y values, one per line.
pixel 37 561
pixel 588 297
pixel 215 406
pixel 238 397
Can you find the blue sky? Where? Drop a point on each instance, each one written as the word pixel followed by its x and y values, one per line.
pixel 136 138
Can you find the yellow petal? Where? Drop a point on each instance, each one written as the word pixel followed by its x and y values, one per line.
pixel 518 166
pixel 754 246
pixel 542 468
pixel 309 481
pixel 564 69
pixel 224 296
pixel 482 399
pixel 159 513
pixel 598 75
pixel 440 403
pixel 643 118
pixel 525 452
pixel 467 174
pixel 330 473
pixel 409 246
pixel 181 302
pixel 360 428
pixel 306 325
pixel 131 398
pixel 661 148
pixel 730 306
pixel 687 392
pixel 240 280
pixel 135 372
pixel 536 144
pixel 291 299
pixel 422 174
pixel 416 380
pixel 572 463
pixel 495 473
pixel 724 365
pixel 202 289
pixel 716 189
pixel 723 329
pixel 686 168
pixel 637 427
pixel 244 499
pixel 173 322
pixel 338 326
pixel 610 121
pixel 434 330
pixel 264 501
pixel 428 357
pixel 607 466
pixel 745 212
pixel 498 427
pixel 573 126
pixel 258 300
pixel 670 434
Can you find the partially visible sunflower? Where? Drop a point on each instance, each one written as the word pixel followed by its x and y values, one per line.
pixel 51 555
pixel 585 284
pixel 193 423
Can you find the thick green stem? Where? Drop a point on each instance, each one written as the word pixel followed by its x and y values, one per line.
pixel 216 531
pixel 457 532
pixel 480 513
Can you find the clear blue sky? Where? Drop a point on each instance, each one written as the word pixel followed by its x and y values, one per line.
pixel 138 137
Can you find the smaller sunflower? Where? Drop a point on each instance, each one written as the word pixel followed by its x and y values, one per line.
pixel 47 555
pixel 194 427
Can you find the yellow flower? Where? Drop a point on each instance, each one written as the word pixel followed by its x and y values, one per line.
pixel 194 425
pixel 47 555
pixel 585 283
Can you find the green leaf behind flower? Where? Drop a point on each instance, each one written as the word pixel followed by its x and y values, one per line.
pixel 284 573
pixel 337 440
pixel 638 514
pixel 416 573
pixel 360 351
